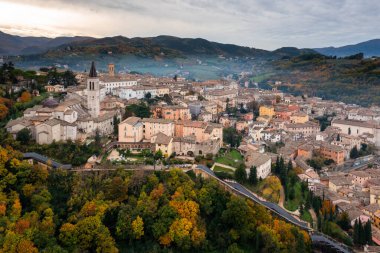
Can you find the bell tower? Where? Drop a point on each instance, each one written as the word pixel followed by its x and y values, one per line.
pixel 111 69
pixel 93 92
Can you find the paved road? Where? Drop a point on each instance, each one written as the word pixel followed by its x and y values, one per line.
pixel 317 238
pixel 322 239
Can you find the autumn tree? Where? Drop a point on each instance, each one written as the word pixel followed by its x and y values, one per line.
pixel 25 96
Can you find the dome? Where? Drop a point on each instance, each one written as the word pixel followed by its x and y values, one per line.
pixel 50 102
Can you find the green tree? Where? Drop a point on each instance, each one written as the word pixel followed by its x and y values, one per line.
pixel 116 122
pixel 354 153
pixel 68 79
pixel 344 221
pixel 253 175
pixel 368 232
pixel 148 95
pixel 241 174
pixel 231 137
pixel 24 136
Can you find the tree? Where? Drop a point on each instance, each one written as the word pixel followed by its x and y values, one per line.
pixel 232 137
pixel 157 156
pixel 139 110
pixel 241 174
pixel 116 122
pixel 253 106
pixel 368 232
pixel 3 111
pixel 253 175
pixel 344 221
pixel 68 79
pixel 97 138
pixel 53 77
pixel 25 96
pixel 148 95
pixel 301 208
pixel 24 136
pixel 354 153
pixel 138 227
pixel 290 165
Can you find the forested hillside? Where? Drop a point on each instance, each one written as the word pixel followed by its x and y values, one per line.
pixel 119 211
pixel 351 79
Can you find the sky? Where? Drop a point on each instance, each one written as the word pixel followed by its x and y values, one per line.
pixel 262 24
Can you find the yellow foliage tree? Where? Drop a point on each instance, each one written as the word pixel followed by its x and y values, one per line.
pixel 26 246
pixel 138 227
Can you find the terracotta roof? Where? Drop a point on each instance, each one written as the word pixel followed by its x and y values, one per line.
pixel 131 121
pixel 162 139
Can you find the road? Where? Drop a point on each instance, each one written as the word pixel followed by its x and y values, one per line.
pixel 316 237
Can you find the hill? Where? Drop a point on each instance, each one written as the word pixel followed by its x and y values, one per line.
pixel 57 210
pixel 162 55
pixel 168 46
pixel 350 79
pixel 368 48
pixel 17 45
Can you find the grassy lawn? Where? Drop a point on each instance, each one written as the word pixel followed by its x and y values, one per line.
pixel 293 205
pixel 232 158
pixel 306 216
pixel 222 169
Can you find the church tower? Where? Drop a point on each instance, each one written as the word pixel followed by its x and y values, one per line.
pixel 111 69
pixel 93 92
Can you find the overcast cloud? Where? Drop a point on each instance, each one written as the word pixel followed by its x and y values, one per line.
pixel 255 23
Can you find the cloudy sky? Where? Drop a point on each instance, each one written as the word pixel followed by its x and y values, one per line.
pixel 256 23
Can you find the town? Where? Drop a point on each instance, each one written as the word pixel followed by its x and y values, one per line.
pixel 240 133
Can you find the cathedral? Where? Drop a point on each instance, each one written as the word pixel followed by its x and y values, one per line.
pixel 77 117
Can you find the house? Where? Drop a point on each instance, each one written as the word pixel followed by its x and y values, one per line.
pixel 333 152
pixel 305 151
pixel 336 183
pixel 360 177
pixel 173 112
pixel 299 117
pixel 355 214
pixel 306 129
pixel 154 126
pixel 266 111
pixel 131 130
pixel 162 142
pixel 261 161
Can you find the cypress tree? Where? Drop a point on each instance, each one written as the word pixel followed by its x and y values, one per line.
pixel 253 175
pixel 356 232
pixel 277 166
pixel 290 165
pixel 362 236
pixel 368 232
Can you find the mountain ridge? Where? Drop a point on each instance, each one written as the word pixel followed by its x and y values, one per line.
pixel 143 46
pixel 369 48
